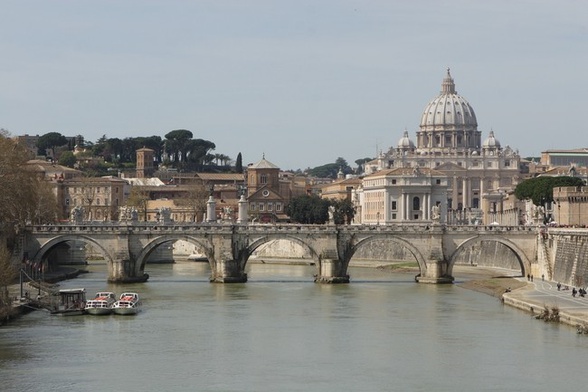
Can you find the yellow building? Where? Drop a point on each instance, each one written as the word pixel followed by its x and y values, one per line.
pixel 571 206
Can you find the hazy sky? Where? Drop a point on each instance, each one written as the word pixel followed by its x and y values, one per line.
pixel 302 81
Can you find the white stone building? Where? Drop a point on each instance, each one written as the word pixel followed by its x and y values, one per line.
pixel 448 141
pixel 402 195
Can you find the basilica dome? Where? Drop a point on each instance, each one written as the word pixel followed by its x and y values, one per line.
pixel 449 109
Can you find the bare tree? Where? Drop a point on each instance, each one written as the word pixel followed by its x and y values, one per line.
pixel 194 199
pixel 138 199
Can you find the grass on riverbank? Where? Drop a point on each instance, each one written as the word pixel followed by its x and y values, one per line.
pixel 494 286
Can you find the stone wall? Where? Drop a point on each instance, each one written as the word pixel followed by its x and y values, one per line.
pixel 488 254
pixel 570 252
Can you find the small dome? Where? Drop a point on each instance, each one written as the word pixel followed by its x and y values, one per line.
pixel 491 142
pixel 405 142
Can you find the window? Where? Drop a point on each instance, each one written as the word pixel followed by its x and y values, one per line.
pixel 394 207
pixel 278 207
pixel 393 181
pixel 261 207
pixel 270 206
pixel 252 207
pixel 416 203
pixel 263 179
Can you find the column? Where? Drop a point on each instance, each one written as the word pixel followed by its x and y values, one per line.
pixel 211 210
pixel 243 210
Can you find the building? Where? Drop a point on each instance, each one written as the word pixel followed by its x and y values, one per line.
pixel 145 166
pixel 402 195
pixel 341 189
pixel 571 206
pixel 265 201
pixel 100 197
pixel 576 157
pixel 448 141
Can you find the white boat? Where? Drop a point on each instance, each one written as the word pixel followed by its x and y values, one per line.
pixel 101 304
pixel 71 302
pixel 128 303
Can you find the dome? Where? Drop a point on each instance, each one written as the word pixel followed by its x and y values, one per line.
pixel 491 142
pixel 449 109
pixel 405 142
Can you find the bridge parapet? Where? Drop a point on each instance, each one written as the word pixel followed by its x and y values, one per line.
pixel 228 246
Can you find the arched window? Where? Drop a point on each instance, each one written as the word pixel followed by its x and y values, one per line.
pixel 416 203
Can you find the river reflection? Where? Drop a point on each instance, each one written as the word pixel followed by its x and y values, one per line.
pixel 282 332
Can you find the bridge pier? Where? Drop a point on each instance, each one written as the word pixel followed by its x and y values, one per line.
pixel 331 271
pixel 123 271
pixel 228 271
pixel 436 272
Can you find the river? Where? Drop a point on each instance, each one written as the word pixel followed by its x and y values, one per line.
pixel 282 332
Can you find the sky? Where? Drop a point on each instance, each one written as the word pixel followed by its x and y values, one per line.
pixel 301 82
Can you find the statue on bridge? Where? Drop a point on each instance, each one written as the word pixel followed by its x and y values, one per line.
pixel 164 215
pixel 77 215
pixel 331 215
pixel 227 214
pixel 127 213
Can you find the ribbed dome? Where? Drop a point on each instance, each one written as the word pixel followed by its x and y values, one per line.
pixel 491 142
pixel 405 142
pixel 449 109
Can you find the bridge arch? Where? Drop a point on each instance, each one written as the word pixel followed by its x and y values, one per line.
pixel 524 262
pixel 142 257
pixel 40 255
pixel 404 243
pixel 258 242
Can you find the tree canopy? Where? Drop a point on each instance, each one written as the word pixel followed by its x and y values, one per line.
pixel 308 209
pixel 330 170
pixel 50 141
pixel 540 189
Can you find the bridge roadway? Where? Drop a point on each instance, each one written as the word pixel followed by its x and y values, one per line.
pixel 127 245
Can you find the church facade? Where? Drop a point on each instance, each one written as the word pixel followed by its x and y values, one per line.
pixel 448 141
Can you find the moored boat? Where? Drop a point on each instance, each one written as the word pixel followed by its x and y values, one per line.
pixel 127 304
pixel 72 302
pixel 101 304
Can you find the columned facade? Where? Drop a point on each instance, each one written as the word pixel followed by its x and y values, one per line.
pixel 448 141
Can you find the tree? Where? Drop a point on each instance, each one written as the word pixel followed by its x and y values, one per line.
pixel 138 198
pixel 239 163
pixel 344 211
pixel 361 163
pixel 308 209
pixel 330 170
pixel 195 199
pixel 67 158
pixel 176 144
pixel 49 141
pixel 8 273
pixel 540 189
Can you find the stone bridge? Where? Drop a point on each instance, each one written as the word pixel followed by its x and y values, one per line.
pixel 127 246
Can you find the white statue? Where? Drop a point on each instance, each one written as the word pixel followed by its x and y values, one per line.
pixel 435 213
pixel 331 214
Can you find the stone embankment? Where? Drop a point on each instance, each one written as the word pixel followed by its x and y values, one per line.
pixel 541 299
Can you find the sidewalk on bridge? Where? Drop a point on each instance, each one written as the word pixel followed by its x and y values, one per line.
pixel 537 296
